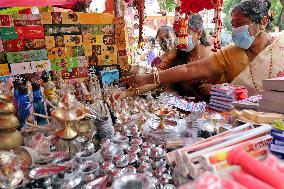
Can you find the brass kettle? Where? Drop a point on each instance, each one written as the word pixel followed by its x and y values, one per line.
pixel 10 138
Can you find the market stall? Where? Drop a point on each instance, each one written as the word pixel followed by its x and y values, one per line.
pixel 60 126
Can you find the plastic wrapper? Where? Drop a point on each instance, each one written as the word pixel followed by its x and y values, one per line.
pixel 159 136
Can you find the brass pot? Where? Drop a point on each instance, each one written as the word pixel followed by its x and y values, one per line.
pixel 68 116
pixel 8 122
pixel 6 106
pixel 68 133
pixel 10 140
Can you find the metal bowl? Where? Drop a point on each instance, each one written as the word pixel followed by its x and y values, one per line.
pixel 135 181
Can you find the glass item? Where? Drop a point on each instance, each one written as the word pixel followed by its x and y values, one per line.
pixel 24 105
pixel 133 149
pixel 157 153
pixel 132 159
pixel 90 170
pixel 120 160
pixel 99 183
pixel 39 105
pixel 128 170
pixel 107 168
pixel 121 141
pixel 108 150
pixel 72 176
pixel 136 141
pixel 135 181
pixel 85 156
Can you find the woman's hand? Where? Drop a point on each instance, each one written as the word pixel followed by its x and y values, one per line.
pixel 120 95
pixel 137 80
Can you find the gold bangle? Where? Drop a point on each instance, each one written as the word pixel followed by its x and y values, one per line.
pixel 137 92
pixel 156 78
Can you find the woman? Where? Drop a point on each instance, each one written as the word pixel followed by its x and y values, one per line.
pixel 198 48
pixel 253 57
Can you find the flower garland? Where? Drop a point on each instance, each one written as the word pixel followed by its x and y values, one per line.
pixel 194 6
pixel 181 29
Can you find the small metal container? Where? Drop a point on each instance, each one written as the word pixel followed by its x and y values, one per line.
pixel 144 167
pixel 85 156
pixel 132 158
pixel 120 160
pixel 136 141
pixel 135 181
pixel 107 167
pixel 133 150
pixel 128 170
pixel 158 153
pixel 90 170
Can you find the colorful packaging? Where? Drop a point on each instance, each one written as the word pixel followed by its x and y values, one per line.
pixel 5 20
pixel 89 39
pixel 52 29
pixel 60 52
pixel 8 33
pixel 78 51
pixel 15 57
pixel 3 58
pixel 4 69
pixel 1 46
pixel 14 45
pixel 30 67
pixel 30 32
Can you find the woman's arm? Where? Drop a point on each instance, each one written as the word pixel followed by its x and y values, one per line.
pixel 132 92
pixel 143 89
pixel 199 70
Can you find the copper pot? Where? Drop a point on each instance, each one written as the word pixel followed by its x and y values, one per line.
pixel 10 140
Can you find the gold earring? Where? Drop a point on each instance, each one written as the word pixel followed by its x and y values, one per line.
pixel 262 27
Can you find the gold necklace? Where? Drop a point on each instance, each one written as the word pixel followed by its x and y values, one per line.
pixel 201 53
pixel 270 70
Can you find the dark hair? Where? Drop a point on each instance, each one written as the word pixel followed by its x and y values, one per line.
pixel 195 23
pixel 152 40
pixel 255 10
pixel 167 28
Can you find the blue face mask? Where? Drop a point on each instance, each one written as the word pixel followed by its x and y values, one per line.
pixel 190 44
pixel 241 37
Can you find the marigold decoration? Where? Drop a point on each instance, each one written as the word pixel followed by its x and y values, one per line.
pixel 194 6
pixel 181 29
pixel 139 5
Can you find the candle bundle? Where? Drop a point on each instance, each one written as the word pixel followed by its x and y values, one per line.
pixel 171 156
pixel 255 141
pixel 265 174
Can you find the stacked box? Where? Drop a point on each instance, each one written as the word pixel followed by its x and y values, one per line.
pixel 121 38
pixel 22 45
pixel 223 96
pixel 77 40
pixel 272 95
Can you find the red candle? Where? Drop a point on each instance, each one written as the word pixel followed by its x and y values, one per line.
pixel 238 156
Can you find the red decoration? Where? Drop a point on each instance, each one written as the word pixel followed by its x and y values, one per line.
pixel 194 6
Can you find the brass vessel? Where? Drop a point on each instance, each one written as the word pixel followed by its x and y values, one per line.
pixel 69 113
pixel 10 138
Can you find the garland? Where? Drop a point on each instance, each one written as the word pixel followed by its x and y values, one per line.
pixel 194 6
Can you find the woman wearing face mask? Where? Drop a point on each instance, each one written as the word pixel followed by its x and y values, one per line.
pixel 252 58
pixel 198 48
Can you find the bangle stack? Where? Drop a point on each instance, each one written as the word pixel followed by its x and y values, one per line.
pixel 156 78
